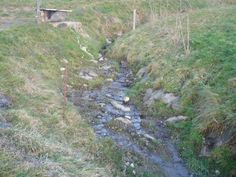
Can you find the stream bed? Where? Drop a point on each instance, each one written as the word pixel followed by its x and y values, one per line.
pixel 114 116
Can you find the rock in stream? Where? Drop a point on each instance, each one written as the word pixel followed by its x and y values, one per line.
pixel 111 113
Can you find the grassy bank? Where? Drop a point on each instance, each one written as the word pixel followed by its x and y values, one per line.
pixel 204 77
pixel 44 138
pixel 40 140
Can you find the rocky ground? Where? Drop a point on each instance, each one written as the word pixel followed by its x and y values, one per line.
pixel 112 115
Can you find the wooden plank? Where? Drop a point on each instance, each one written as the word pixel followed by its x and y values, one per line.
pixel 54 10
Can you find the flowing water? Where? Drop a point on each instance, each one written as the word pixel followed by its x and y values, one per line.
pixel 99 104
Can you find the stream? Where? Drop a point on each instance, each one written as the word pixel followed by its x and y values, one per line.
pixel 121 121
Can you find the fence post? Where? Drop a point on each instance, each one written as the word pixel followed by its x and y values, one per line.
pixel 64 71
pixel 134 19
pixel 38 4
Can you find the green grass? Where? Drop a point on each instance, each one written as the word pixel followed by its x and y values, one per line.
pixel 204 79
pixel 41 141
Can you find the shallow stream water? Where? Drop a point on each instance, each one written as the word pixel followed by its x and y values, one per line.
pixel 99 104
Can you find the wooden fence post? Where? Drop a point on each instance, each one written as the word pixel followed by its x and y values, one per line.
pixel 64 71
pixel 134 19
pixel 38 4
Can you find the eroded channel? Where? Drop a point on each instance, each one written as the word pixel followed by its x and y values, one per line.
pixel 116 118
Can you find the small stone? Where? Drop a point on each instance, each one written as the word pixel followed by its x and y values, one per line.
pixel 132 165
pixel 108 41
pixel 101 59
pixel 108 95
pixel 169 98
pixel 65 61
pixel 92 73
pixel 102 104
pixel 124 120
pixel 148 95
pixel 62 69
pixel 134 172
pixel 217 172
pixel 127 163
pixel 126 99
pixel 109 80
pixel 120 106
pixel 149 137
pixel 128 117
pixel 106 68
pixel 94 61
pixel 173 120
pixel 87 74
pixel 5 102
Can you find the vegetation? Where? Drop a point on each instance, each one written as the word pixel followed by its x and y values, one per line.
pixel 40 140
pixel 204 78
pixel 45 138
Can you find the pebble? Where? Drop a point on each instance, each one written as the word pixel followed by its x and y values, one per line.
pixel 126 99
pixel 128 117
pixel 132 165
pixel 127 163
pixel 101 59
pixel 109 80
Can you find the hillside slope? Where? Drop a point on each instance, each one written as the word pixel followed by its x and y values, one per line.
pixel 204 78
pixel 40 136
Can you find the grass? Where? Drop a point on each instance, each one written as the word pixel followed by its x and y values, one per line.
pixel 204 78
pixel 41 142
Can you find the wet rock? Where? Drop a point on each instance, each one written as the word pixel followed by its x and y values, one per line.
pixel 124 120
pixel 128 117
pixel 126 100
pixel 150 96
pixel 149 137
pixel 108 41
pixel 176 119
pixel 132 165
pixel 108 95
pixel 102 104
pixel 94 61
pixel 106 67
pixel 147 95
pixel 120 106
pixel 5 102
pixel 168 98
pixel 101 59
pixel 109 80
pixel 87 74
pixel 119 124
